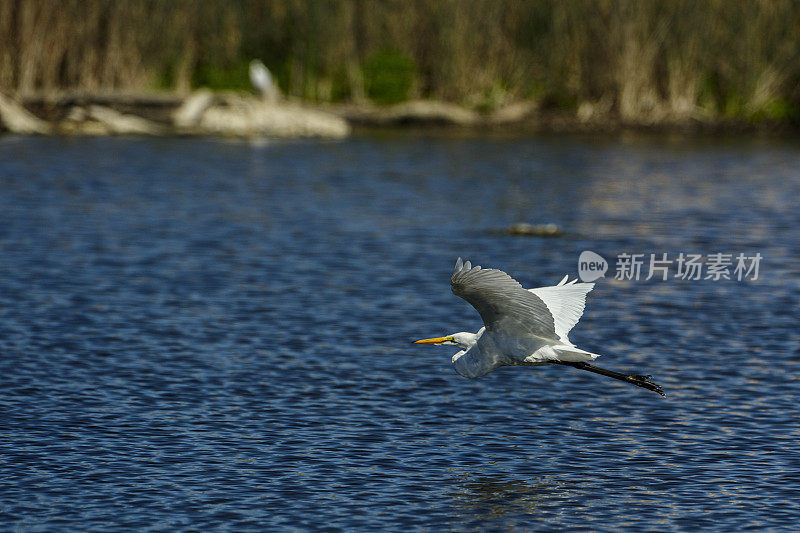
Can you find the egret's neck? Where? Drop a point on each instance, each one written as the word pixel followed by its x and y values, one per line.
pixel 472 362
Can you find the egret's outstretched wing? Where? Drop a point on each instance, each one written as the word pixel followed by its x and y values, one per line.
pixel 566 302
pixel 503 304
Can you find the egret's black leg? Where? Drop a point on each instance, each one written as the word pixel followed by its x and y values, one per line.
pixel 633 379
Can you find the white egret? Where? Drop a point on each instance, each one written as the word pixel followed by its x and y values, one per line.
pixel 262 81
pixel 521 327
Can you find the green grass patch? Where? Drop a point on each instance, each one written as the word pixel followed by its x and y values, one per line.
pixel 779 110
pixel 229 77
pixel 389 76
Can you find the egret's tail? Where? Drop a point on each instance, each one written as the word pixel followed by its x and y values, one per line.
pixel 573 354
pixel 633 379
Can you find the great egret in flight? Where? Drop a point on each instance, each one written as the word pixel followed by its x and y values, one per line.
pixel 521 327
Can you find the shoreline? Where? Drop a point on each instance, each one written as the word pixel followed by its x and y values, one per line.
pixel 240 114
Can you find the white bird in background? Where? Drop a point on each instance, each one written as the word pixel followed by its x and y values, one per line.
pixel 521 327
pixel 262 81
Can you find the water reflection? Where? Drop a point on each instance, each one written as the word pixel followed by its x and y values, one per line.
pixel 483 497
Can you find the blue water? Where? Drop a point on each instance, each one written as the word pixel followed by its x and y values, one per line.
pixel 200 333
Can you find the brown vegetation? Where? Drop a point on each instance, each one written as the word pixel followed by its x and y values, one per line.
pixel 638 60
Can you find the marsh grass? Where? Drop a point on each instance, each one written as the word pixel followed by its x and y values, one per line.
pixel 640 61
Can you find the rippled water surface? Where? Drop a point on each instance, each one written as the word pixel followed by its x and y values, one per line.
pixel 204 333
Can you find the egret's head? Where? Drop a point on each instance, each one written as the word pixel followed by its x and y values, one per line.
pixel 462 339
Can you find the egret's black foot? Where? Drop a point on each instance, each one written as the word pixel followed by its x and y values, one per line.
pixel 633 379
pixel 644 381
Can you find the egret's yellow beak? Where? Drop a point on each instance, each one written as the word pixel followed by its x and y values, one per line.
pixel 435 340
